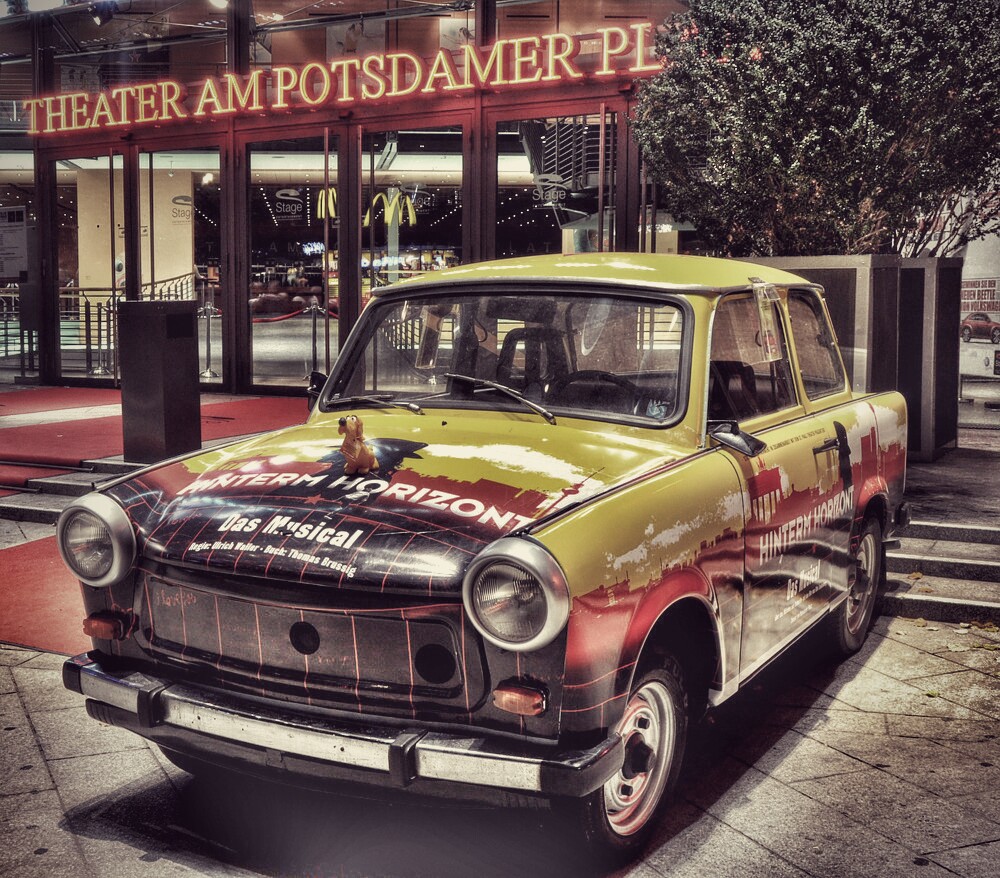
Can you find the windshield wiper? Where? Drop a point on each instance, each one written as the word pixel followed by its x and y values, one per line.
pixel 503 388
pixel 380 400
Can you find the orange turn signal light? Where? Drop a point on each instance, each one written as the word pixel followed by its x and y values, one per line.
pixel 104 626
pixel 519 699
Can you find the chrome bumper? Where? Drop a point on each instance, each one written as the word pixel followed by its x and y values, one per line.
pixel 205 722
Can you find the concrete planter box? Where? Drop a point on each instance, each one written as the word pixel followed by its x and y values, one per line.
pixel 897 320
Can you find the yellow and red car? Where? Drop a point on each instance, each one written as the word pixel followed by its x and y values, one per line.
pixel 544 513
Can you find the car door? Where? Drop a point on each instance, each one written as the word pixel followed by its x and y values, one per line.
pixel 797 513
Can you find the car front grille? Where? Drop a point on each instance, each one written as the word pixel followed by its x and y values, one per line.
pixel 346 650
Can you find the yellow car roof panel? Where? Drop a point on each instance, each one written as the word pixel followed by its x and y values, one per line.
pixel 650 270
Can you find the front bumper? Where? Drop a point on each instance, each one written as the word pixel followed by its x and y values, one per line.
pixel 213 726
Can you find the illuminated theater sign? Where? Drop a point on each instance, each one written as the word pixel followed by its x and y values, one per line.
pixel 343 82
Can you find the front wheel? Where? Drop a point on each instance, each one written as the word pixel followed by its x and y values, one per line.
pixel 613 822
pixel 849 624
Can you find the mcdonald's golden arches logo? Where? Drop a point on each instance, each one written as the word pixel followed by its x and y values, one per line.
pixel 326 203
pixel 400 205
pixel 400 202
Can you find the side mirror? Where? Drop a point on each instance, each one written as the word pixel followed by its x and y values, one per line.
pixel 728 433
pixel 316 382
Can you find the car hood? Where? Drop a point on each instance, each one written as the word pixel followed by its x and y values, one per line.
pixel 287 505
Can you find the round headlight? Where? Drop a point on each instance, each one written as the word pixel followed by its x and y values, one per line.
pixel 96 540
pixel 516 595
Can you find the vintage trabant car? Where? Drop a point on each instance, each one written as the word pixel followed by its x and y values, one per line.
pixel 543 514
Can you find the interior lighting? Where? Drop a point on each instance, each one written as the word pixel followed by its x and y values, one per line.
pixel 219 4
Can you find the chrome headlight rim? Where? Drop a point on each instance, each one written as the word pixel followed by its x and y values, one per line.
pixel 122 536
pixel 535 560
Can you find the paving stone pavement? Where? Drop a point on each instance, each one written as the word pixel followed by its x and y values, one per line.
pixel 884 765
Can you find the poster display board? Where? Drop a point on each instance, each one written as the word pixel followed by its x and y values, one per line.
pixel 979 330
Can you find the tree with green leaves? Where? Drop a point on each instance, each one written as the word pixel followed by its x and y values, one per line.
pixel 782 128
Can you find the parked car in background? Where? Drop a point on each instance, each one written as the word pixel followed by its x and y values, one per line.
pixel 979 324
pixel 544 513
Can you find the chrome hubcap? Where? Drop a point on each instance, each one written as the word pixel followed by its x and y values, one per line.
pixel 863 586
pixel 649 732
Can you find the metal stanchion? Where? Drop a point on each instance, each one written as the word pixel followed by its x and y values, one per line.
pixel 315 310
pixel 208 311
pixel 88 358
pixel 112 338
pixel 100 368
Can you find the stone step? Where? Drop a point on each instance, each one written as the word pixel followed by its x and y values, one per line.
pixel 114 466
pixel 964 533
pixel 40 508
pixel 70 484
pixel 948 558
pixel 942 599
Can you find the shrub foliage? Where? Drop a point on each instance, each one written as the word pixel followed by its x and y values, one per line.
pixel 780 127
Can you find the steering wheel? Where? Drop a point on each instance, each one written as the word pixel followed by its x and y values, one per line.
pixel 564 381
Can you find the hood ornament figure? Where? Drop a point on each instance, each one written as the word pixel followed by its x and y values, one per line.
pixel 358 456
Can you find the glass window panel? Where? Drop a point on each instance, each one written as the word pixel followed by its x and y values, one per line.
pixel 819 359
pixel 743 381
pixel 578 355
pixel 91 246
pixel 292 301
pixel 412 202
pixel 551 196
pixel 580 16
pixel 19 287
pixel 179 211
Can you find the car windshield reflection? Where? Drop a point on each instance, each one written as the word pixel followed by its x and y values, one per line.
pixel 599 357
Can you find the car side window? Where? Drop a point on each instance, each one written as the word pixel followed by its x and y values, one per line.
pixel 819 360
pixel 743 381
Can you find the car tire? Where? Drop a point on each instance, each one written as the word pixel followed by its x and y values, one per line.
pixel 613 823
pixel 995 336
pixel 849 624
pixel 966 334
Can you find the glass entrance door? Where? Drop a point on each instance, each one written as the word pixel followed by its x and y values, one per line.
pixel 556 184
pixel 180 243
pixel 292 299
pixel 91 264
pixel 412 201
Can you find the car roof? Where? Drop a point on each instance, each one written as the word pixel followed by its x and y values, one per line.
pixel 667 272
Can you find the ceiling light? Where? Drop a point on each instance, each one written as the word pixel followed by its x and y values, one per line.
pixel 219 4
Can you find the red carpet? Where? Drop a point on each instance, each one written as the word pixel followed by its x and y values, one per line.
pixel 46 399
pixel 72 442
pixel 40 602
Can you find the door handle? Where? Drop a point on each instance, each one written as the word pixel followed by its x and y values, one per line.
pixel 832 444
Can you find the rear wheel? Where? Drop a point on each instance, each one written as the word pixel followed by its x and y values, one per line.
pixel 849 624
pixel 614 821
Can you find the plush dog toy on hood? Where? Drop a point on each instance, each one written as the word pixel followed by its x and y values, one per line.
pixel 358 457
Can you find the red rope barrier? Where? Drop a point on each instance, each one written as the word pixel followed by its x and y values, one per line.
pixel 288 316
pixel 280 317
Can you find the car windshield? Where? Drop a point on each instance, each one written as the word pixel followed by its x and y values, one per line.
pixel 576 354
